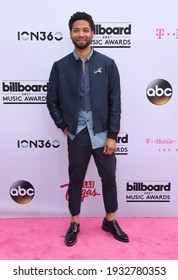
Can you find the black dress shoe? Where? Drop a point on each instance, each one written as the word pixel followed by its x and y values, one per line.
pixel 71 235
pixel 114 228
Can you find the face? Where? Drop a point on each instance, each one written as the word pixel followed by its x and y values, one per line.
pixel 81 34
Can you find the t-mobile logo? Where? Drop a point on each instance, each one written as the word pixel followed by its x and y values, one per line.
pixel 162 33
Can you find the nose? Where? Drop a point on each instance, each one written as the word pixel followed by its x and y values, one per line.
pixel 81 33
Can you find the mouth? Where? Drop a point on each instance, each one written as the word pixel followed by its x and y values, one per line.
pixel 81 41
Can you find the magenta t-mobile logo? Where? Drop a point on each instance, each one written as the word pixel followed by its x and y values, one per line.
pixel 161 33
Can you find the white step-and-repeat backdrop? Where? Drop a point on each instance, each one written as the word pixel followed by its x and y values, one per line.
pixel 142 37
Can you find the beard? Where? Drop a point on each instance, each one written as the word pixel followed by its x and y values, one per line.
pixel 81 46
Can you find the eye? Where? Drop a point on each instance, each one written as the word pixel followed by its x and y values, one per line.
pixel 75 30
pixel 86 29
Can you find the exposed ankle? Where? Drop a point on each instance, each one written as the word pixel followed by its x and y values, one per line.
pixel 75 219
pixel 110 217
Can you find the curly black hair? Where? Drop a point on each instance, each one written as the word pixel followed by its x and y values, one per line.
pixel 80 16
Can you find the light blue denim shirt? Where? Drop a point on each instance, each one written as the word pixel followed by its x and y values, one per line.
pixel 85 118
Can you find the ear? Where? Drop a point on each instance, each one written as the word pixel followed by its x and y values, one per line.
pixel 92 34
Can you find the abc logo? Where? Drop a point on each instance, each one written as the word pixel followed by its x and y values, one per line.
pixel 159 92
pixel 22 192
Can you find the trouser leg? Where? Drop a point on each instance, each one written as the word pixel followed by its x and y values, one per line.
pixel 106 165
pixel 79 153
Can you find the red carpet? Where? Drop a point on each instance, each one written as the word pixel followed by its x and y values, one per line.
pixel 42 239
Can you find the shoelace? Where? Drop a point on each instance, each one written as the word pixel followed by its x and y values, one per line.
pixel 116 226
pixel 74 228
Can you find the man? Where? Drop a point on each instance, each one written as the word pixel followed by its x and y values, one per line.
pixel 84 101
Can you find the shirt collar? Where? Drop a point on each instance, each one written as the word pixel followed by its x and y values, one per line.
pixel 78 57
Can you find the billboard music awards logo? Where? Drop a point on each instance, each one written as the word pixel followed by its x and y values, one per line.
pixel 147 191
pixel 159 92
pixel 122 144
pixel 88 190
pixel 22 192
pixel 24 92
pixel 39 36
pixel 112 35
pixel 41 144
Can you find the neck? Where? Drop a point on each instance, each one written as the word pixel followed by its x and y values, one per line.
pixel 83 53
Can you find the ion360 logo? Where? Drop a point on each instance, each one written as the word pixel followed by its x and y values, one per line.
pixel 22 192
pixel 39 36
pixel 159 92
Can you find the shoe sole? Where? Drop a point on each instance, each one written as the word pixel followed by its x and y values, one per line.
pixel 72 243
pixel 106 229
pixel 69 245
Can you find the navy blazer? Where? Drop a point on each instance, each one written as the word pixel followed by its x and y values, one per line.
pixel 63 96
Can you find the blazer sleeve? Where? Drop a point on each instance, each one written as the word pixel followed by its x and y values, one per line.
pixel 114 102
pixel 53 99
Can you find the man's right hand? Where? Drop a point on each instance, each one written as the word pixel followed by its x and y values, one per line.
pixel 66 131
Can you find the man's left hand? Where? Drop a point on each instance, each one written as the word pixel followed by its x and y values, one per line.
pixel 109 147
